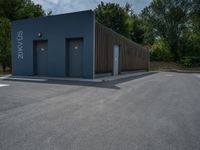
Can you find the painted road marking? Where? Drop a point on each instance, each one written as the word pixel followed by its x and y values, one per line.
pixel 3 85
pixel 5 77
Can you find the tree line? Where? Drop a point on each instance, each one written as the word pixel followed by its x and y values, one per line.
pixel 170 29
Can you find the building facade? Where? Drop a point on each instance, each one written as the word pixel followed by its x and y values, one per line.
pixel 72 45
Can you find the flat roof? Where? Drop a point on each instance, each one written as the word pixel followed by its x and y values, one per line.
pixel 51 16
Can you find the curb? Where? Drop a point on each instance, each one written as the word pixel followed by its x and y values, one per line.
pixel 179 71
pixel 97 80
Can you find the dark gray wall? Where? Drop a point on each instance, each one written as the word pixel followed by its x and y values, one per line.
pixel 56 29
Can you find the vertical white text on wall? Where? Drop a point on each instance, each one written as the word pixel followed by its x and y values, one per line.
pixel 20 47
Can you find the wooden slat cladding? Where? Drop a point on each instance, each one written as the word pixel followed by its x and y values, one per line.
pixel 132 56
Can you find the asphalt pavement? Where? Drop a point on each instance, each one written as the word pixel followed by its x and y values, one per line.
pixel 159 111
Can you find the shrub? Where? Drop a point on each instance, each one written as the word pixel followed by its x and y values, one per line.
pixel 5 44
pixel 190 61
pixel 160 52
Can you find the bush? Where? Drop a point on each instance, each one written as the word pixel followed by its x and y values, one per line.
pixel 5 44
pixel 160 52
pixel 190 61
pixel 190 44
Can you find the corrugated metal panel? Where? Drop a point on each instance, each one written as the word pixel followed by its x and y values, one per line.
pixel 133 56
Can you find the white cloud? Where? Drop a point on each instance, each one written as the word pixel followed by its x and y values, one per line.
pixel 65 6
pixel 53 1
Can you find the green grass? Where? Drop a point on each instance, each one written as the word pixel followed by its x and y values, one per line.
pixel 165 66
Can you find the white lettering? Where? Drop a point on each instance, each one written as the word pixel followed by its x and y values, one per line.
pixel 20 54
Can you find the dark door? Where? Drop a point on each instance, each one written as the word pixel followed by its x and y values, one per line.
pixel 75 57
pixel 41 49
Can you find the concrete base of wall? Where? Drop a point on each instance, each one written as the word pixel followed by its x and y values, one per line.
pixel 123 75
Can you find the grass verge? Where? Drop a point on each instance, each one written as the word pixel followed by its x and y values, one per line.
pixel 171 66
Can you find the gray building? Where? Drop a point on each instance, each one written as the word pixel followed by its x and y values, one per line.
pixel 69 45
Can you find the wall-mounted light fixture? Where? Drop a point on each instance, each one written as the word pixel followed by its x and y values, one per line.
pixel 39 34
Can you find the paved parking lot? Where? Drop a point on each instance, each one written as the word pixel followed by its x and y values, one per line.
pixel 160 111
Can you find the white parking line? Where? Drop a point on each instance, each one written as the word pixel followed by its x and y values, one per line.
pixel 3 85
pixel 4 77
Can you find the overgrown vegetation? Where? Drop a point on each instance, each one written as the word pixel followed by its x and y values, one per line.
pixel 5 44
pixel 171 66
pixel 160 52
pixel 170 29
pixel 190 61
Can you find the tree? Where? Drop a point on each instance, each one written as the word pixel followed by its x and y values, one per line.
pixel 168 19
pixel 5 45
pixel 14 10
pixel 115 17
pixel 195 16
pixel 20 9
pixel 190 44
pixel 138 30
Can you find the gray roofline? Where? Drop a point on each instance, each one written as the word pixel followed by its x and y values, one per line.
pixel 51 16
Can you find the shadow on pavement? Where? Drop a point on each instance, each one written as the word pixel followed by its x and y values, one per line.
pixel 107 84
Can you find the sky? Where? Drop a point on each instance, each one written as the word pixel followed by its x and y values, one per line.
pixel 65 6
